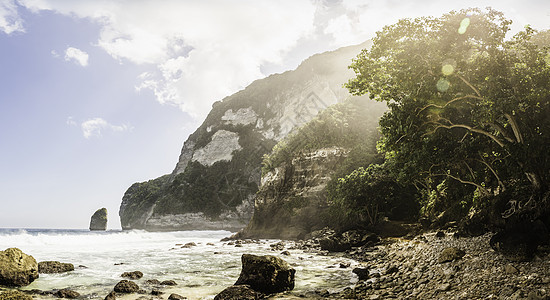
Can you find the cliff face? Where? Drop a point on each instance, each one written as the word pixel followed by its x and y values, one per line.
pixel 292 199
pixel 218 172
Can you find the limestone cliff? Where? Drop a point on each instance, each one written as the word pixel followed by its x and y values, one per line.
pixel 293 198
pixel 218 172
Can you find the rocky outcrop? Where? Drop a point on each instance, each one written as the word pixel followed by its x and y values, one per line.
pixel 218 172
pixel 293 196
pixel 99 220
pixel 49 267
pixel 17 268
pixel 260 275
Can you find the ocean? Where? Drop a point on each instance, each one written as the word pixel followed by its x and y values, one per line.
pixel 201 271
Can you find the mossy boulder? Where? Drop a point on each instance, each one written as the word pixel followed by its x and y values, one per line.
pixel 17 268
pixel 126 287
pixel 266 274
pixel 238 292
pixel 99 220
pixel 49 267
pixel 14 295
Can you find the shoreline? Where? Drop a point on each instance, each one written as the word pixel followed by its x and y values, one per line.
pixel 399 268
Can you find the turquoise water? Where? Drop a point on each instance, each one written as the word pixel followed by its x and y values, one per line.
pixel 201 271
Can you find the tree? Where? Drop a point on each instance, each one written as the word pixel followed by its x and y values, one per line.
pixel 466 104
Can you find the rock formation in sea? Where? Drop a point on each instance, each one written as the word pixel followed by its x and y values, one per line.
pixel 17 268
pixel 218 173
pixel 50 267
pixel 99 220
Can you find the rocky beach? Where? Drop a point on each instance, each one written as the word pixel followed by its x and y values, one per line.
pixel 430 265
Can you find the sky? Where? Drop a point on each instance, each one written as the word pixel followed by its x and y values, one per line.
pixel 98 94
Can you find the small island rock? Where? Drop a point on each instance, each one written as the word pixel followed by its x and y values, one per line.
pixel 17 268
pixel 99 220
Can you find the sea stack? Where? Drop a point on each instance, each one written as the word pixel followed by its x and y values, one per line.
pixel 99 220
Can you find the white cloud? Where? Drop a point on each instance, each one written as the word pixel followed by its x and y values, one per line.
pixel 78 56
pixel 96 126
pixel 10 21
pixel 202 50
pixel 71 121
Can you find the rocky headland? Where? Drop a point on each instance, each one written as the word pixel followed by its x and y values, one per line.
pixel 218 173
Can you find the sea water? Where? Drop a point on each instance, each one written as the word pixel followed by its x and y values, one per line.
pixel 201 271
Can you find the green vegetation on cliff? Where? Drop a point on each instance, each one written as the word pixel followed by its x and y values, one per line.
pixel 351 124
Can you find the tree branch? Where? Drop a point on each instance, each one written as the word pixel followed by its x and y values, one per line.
pixel 515 128
pixel 469 84
pixel 470 128
pixel 494 173
pixel 449 103
pixel 481 188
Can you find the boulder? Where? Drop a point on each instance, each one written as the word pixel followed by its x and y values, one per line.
pixel 169 282
pixel 132 275
pixel 520 241
pixel 450 254
pixel 49 267
pixel 99 220
pixel 176 297
pixel 266 274
pixel 343 242
pixel 152 281
pixel 66 293
pixel 238 292
pixel 111 296
pixel 362 273
pixel 14 295
pixel 17 268
pixel 126 287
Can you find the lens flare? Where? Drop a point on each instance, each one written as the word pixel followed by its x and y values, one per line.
pixel 464 25
pixel 447 69
pixel 443 85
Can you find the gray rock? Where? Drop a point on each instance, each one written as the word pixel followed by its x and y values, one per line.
pixel 176 297
pixel 510 269
pixel 132 275
pixel 111 296
pixel 17 268
pixel 450 254
pixel 99 220
pixel 14 295
pixel 66 293
pixel 266 274
pixel 168 282
pixel 238 292
pixel 362 273
pixel 126 287
pixel 50 267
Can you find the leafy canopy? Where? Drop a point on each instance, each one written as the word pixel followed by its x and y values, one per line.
pixel 466 104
